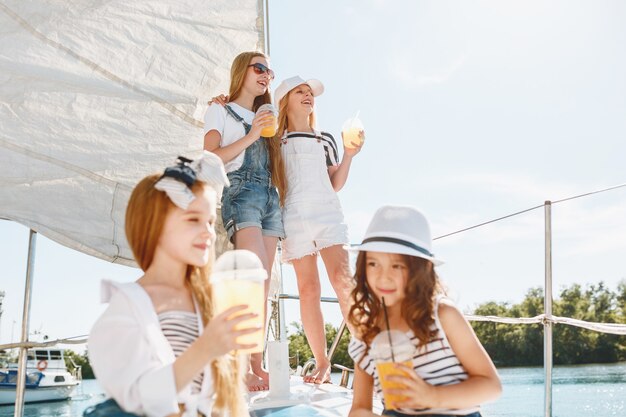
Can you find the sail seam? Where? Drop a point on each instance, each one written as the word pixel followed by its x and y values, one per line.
pixel 62 164
pixel 99 69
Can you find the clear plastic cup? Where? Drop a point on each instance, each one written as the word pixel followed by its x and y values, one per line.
pixel 238 277
pixel 270 131
pixel 381 349
pixel 351 130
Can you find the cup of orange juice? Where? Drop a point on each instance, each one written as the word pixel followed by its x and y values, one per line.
pixel 269 131
pixel 238 277
pixel 351 131
pixel 389 348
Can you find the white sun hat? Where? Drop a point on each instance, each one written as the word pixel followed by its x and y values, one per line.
pixel 290 83
pixel 399 229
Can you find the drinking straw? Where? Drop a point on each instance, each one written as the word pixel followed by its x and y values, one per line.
pixel 393 358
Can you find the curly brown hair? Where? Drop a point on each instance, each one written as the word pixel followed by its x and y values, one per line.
pixel 366 315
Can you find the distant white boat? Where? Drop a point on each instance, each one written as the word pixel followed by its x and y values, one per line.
pixel 47 378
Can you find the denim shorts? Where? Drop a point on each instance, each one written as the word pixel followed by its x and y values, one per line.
pixel 394 413
pixel 251 203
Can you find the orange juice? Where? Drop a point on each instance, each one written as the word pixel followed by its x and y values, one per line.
pixel 350 136
pixel 385 369
pixel 229 293
pixel 270 131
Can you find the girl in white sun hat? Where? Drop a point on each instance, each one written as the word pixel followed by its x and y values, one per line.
pixel 450 372
pixel 312 213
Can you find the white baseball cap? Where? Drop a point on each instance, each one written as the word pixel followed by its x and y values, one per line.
pixel 399 229
pixel 290 83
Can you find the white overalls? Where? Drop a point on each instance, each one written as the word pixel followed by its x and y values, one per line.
pixel 312 214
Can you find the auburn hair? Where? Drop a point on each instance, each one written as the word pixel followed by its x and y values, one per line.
pixel 422 286
pixel 238 72
pixel 145 215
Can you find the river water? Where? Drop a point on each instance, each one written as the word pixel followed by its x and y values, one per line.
pixel 585 390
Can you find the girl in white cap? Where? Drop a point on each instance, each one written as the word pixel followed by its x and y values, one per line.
pixel 250 210
pixel 158 349
pixel 312 213
pixel 451 374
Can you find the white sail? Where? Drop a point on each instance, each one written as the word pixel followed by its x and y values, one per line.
pixel 94 95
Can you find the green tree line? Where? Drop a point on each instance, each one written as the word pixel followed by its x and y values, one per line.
pixel 522 344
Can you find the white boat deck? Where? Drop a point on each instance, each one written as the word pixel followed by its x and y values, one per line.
pixel 306 400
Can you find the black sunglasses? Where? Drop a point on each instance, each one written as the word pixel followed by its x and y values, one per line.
pixel 260 69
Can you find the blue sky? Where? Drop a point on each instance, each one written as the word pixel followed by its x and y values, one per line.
pixel 472 110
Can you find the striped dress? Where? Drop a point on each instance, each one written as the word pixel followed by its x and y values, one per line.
pixel 434 362
pixel 181 329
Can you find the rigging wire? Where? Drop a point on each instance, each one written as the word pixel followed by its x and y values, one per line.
pixel 531 209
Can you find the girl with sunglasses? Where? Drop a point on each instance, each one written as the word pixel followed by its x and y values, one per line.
pixel 250 206
pixel 312 212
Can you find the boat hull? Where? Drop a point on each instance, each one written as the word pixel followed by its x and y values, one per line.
pixel 41 394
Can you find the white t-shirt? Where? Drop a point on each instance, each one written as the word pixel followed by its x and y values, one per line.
pixel 217 118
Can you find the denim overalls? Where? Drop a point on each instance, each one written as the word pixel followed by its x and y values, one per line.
pixel 252 200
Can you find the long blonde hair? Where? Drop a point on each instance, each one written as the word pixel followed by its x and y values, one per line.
pixel 283 123
pixel 145 215
pixel 238 71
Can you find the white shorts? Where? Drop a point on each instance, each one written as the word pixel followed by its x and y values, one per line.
pixel 312 226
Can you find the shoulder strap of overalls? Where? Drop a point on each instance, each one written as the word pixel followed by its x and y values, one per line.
pixel 235 116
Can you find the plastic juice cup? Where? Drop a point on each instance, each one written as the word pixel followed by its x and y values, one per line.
pixel 403 350
pixel 351 129
pixel 270 131
pixel 384 370
pixel 239 278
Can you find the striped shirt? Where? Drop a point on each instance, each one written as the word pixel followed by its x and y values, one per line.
pixel 181 329
pixel 434 362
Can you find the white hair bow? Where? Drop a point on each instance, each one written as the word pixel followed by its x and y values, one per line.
pixel 177 179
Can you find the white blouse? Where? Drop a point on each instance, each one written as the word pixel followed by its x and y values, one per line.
pixel 133 361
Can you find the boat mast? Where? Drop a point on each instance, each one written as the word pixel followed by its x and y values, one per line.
pixel 547 303
pixel 21 367
pixel 266 27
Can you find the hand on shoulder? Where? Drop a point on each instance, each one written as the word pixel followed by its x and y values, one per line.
pixel 221 100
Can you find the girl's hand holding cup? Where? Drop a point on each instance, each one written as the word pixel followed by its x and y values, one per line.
pixel 238 278
pixel 266 119
pixel 392 351
pixel 222 332
pixel 415 393
pixel 353 135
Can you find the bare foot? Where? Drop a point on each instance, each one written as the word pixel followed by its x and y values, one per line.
pixel 257 379
pixel 320 375
pixel 256 383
